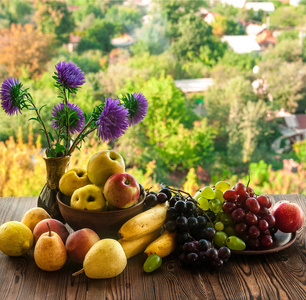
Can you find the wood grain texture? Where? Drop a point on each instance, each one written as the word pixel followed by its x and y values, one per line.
pixel 280 275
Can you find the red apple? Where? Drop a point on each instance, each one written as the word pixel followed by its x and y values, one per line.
pixel 121 190
pixel 289 217
pixel 55 225
pixel 79 242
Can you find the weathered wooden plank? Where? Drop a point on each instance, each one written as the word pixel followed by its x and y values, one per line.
pixel 275 276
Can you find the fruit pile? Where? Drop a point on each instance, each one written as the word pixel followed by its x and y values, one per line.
pixel 104 185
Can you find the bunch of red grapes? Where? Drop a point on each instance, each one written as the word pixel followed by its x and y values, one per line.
pixel 254 223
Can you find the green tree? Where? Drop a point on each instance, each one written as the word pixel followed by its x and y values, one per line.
pixel 97 37
pixel 288 16
pixel 53 17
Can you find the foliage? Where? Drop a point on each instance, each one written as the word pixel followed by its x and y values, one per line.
pixel 54 18
pixel 300 150
pixel 97 37
pixel 18 49
pixel 191 185
pixel 226 26
pixel 288 16
pixel 128 18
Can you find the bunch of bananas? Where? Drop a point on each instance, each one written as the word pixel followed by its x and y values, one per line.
pixel 144 232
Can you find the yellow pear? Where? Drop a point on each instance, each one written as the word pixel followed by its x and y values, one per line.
pixel 34 216
pixel 105 259
pixel 104 164
pixel 50 252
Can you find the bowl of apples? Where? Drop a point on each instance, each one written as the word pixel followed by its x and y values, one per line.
pixel 101 198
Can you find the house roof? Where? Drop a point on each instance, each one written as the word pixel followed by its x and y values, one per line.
pixel 264 6
pixel 242 43
pixel 123 41
pixel 254 29
pixel 194 85
pixel 266 37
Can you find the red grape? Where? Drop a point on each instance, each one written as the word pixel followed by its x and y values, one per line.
pixel 254 244
pixel 228 207
pixel 263 225
pixel 238 215
pixel 240 188
pixel 264 201
pixel 266 241
pixel 252 205
pixel 270 219
pixel 251 219
pixel 254 232
pixel 230 195
pixel 241 228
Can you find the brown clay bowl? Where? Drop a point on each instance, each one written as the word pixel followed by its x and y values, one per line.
pixel 104 223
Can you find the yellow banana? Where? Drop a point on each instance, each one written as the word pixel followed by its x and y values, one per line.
pixel 163 245
pixel 145 222
pixel 132 247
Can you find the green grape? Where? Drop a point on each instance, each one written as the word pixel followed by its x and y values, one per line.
pixel 219 195
pixel 226 219
pixel 229 230
pixel 203 203
pixel 197 195
pixel 208 193
pixel 220 238
pixel 219 226
pixel 235 243
pixel 222 186
pixel 152 263
pixel 215 205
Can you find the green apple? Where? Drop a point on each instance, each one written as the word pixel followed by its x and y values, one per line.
pixel 89 197
pixel 103 165
pixel 72 180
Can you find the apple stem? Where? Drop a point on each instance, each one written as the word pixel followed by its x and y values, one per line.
pixel 49 228
pixel 78 272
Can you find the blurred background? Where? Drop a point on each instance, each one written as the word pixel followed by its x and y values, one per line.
pixel 225 82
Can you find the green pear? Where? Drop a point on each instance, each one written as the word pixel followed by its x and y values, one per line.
pixel 105 259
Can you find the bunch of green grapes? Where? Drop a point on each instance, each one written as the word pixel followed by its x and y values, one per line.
pixel 211 199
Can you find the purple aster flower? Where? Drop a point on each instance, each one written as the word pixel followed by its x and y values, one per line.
pixel 69 75
pixel 113 120
pixel 76 117
pixel 10 91
pixel 140 111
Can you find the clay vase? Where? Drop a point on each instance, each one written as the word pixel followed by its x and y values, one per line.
pixel 56 167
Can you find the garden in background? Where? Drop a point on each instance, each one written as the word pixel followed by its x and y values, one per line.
pixel 189 139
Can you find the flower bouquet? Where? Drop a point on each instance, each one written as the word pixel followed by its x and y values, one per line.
pixel 71 126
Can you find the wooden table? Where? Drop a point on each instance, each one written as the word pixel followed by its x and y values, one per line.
pixel 279 275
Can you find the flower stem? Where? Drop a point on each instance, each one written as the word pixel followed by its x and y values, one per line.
pixel 77 139
pixel 40 119
pixel 67 118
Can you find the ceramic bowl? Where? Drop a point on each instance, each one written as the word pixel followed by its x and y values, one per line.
pixel 104 223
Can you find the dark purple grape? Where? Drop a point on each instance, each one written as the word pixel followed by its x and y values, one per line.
pixel 224 253
pixel 182 223
pixel 204 245
pixel 167 192
pixel 273 230
pixel 211 254
pixel 201 255
pixel 240 228
pixel 263 211
pixel 192 222
pixel 211 215
pixel 189 247
pixel 217 263
pixel 202 221
pixel 238 215
pixel 208 233
pixel 190 207
pixel 254 244
pixel 183 259
pixel 180 206
pixel 174 199
pixel 171 213
pixel 151 200
pixel 171 226
pixel 162 197
pixel 192 258
pixel 182 237
pixel 252 205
